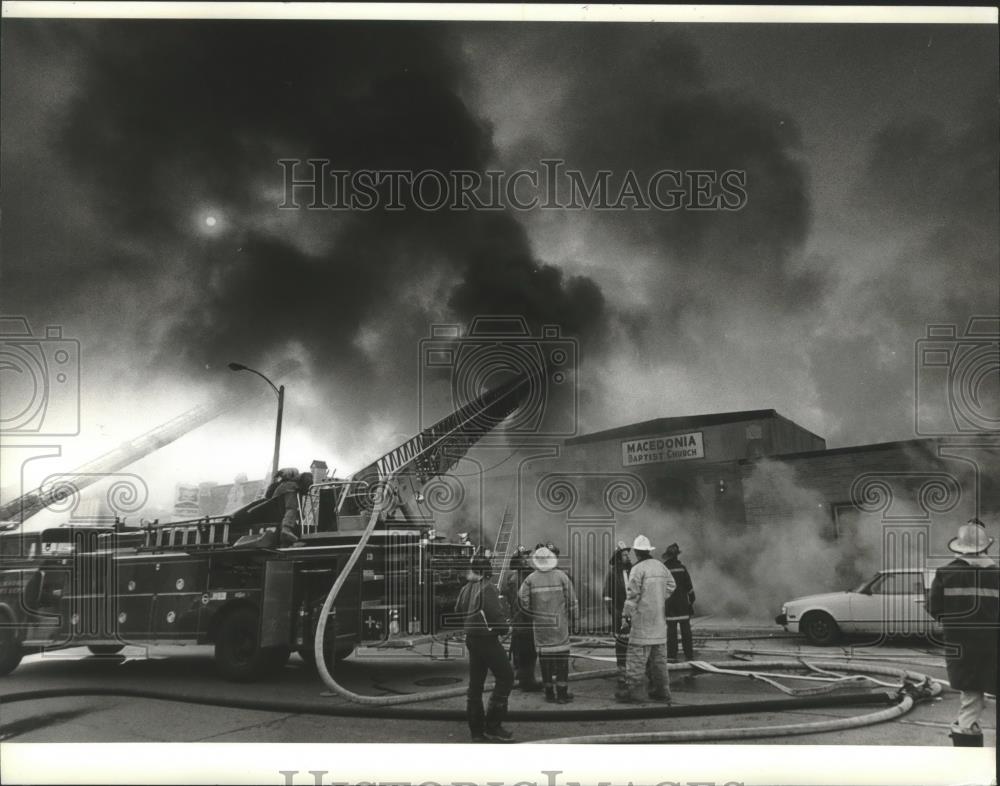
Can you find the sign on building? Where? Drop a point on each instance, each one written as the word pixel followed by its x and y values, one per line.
pixel 186 501
pixel 655 450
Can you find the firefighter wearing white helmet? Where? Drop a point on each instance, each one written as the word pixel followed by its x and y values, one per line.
pixel 650 583
pixel 964 597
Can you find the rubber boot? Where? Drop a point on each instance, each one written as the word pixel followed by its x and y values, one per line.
pixel 526 679
pixel 477 719
pixel 621 650
pixel 621 684
pixel 495 714
pixel 966 740
pixel 625 695
pixel 563 696
pixel 550 694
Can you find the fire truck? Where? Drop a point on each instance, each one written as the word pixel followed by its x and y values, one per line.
pixel 242 583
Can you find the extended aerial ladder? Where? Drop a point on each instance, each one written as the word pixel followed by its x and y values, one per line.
pixel 396 479
pixel 27 505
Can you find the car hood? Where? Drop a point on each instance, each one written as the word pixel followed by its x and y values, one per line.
pixel 821 598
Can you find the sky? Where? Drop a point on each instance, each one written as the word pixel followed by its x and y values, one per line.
pixel 140 187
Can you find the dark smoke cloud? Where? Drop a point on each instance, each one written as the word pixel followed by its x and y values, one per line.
pixel 119 137
pixel 639 99
pixel 170 121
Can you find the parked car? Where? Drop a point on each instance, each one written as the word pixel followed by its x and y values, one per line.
pixel 892 602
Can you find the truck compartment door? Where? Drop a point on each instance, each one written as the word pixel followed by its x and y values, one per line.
pixel 276 605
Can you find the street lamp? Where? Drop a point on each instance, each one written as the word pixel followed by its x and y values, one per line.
pixel 280 392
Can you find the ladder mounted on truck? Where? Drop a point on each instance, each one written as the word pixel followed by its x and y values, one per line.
pixel 438 448
pixel 501 549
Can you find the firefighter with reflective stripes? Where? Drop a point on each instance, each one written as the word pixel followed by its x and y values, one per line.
pixel 965 598
pixel 644 619
pixel 548 597
pixel 680 605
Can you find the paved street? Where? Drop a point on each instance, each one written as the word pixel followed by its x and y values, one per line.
pixel 190 671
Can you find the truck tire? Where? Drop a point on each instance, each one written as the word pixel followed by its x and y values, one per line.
pixel 306 653
pixel 820 628
pixel 11 651
pixel 238 655
pixel 105 649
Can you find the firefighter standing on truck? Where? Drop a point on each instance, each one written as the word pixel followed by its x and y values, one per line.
pixel 287 489
pixel 964 598
pixel 680 605
pixel 614 597
pixel 484 622
pixel 644 619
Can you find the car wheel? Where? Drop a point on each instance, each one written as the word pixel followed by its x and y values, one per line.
pixel 820 628
pixel 105 649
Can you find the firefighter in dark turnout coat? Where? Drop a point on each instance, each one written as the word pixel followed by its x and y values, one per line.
pixel 484 622
pixel 522 637
pixel 965 598
pixel 614 599
pixel 680 605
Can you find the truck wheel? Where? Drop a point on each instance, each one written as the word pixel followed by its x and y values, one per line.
pixel 238 655
pixel 306 653
pixel 820 628
pixel 11 651
pixel 105 649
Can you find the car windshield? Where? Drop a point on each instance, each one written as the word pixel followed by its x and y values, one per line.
pixel 865 583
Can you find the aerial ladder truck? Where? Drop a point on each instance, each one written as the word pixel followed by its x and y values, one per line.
pixel 235 582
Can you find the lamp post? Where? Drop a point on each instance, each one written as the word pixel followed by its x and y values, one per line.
pixel 280 392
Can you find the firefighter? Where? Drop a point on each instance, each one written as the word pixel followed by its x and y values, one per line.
pixel 522 638
pixel 964 598
pixel 547 596
pixel 287 488
pixel 272 485
pixel 484 622
pixel 614 599
pixel 680 605
pixel 307 502
pixel 644 619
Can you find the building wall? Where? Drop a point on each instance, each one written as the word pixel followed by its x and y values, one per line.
pixel 902 500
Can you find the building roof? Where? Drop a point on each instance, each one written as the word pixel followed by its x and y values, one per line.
pixel 684 423
pixel 927 444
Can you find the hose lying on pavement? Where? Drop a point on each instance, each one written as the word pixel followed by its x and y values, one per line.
pixel 458 714
pixel 914 687
pixel 742 733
